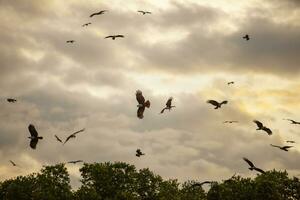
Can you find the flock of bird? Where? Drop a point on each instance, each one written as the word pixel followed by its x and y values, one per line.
pixel 143 104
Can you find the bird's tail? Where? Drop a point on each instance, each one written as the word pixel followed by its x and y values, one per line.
pixel 40 138
pixel 147 104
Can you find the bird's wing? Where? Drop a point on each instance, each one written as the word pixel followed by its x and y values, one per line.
pixel 275 146
pixel 58 139
pixel 32 130
pixel 213 102
pixel 119 36
pixel 205 182
pixel 140 112
pixel 78 131
pixel 258 123
pixel 93 14
pixel 162 111
pixel 267 130
pixel 110 36
pixel 14 164
pixel 249 162
pixel 140 11
pixel 259 170
pixel 69 137
pixel 33 143
pixel 224 102
pixel 139 97
pixel 287 147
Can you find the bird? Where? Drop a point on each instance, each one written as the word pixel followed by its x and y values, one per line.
pixel 86 24
pixel 230 122
pixel 139 153
pixel 34 138
pixel 202 183
pixel 73 135
pixel 217 104
pixel 284 148
pixel 230 83
pixel 75 161
pixel 58 139
pixel 142 104
pixel 292 121
pixel 13 163
pixel 113 37
pixel 246 37
pixel 168 105
pixel 10 100
pixel 98 13
pixel 144 12
pixel 70 41
pixel 290 141
pixel 262 127
pixel 252 166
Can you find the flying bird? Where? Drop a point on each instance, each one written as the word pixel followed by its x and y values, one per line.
pixel 70 41
pixel 202 183
pixel 290 141
pixel 139 153
pixel 98 13
pixel 10 100
pixel 86 24
pixel 230 83
pixel 142 104
pixel 292 121
pixel 284 148
pixel 13 163
pixel 58 139
pixel 217 104
pixel 262 127
pixel 168 105
pixel 144 12
pixel 113 37
pixel 230 122
pixel 75 161
pixel 252 166
pixel 34 138
pixel 246 37
pixel 73 135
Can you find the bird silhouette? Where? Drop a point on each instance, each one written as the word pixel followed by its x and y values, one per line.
pixel 58 139
pixel 86 24
pixel 75 161
pixel 144 12
pixel 34 138
pixel 292 121
pixel 201 183
pixel 217 104
pixel 168 105
pixel 142 104
pixel 13 163
pixel 252 166
pixel 113 37
pixel 290 141
pixel 139 153
pixel 98 13
pixel 10 100
pixel 230 83
pixel 70 41
pixel 230 122
pixel 73 135
pixel 262 127
pixel 284 148
pixel 246 37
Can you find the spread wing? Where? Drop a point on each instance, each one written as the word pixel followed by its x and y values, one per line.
pixel 119 36
pixel 162 111
pixel 32 131
pixel 140 112
pixel 249 162
pixel 58 139
pixel 110 36
pixel 259 170
pixel 33 143
pixel 224 102
pixel 68 138
pixel 267 130
pixel 287 147
pixel 213 102
pixel 139 97
pixel 78 131
pixel 275 146
pixel 14 164
pixel 258 123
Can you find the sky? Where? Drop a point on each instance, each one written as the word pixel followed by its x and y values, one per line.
pixel 187 49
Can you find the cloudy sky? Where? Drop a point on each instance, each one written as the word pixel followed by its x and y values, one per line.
pixel 188 49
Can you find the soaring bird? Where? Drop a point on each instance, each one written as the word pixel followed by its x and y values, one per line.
pixel 10 100
pixel 230 83
pixel 34 138
pixel 284 148
pixel 292 121
pixel 246 37
pixel 144 12
pixel 98 13
pixel 73 135
pixel 262 127
pixel 230 122
pixel 75 161
pixel 202 183
pixel 13 163
pixel 252 166
pixel 58 139
pixel 139 153
pixel 86 24
pixel 168 105
pixel 217 104
pixel 142 104
pixel 290 141
pixel 113 37
pixel 70 41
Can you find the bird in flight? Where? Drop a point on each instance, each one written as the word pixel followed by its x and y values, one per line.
pixel 34 138
pixel 144 12
pixel 58 139
pixel 168 105
pixel 13 163
pixel 230 122
pixel 202 183
pixel 246 37
pixel 142 104
pixel 230 83
pixel 252 166
pixel 292 121
pixel 86 24
pixel 262 127
pixel 75 161
pixel 70 41
pixel 290 141
pixel 10 100
pixel 139 153
pixel 73 135
pixel 284 148
pixel 113 37
pixel 217 104
pixel 98 13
